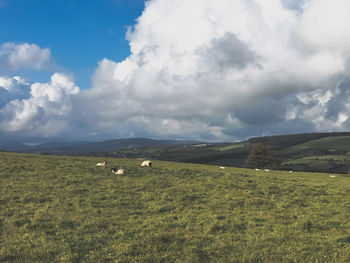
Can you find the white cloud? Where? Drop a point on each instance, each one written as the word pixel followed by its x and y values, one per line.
pixel 44 113
pixel 221 68
pixel 206 69
pixel 16 56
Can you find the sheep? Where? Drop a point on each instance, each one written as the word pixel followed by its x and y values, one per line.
pixel 146 163
pixel 257 169
pixel 332 175
pixel 222 167
pixel 119 171
pixel 290 171
pixel 102 164
pixel 267 170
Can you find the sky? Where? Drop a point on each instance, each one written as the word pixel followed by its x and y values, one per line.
pixel 222 70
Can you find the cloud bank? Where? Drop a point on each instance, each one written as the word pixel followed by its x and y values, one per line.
pixel 200 69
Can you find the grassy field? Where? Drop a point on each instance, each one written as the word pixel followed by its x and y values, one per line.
pixel 341 142
pixel 230 147
pixel 329 152
pixel 321 164
pixel 64 209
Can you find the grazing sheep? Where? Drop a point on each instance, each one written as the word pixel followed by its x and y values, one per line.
pixel 117 171
pixel 102 164
pixel 267 170
pixel 332 175
pixel 120 171
pixel 290 171
pixel 146 164
pixel 222 167
pixel 257 169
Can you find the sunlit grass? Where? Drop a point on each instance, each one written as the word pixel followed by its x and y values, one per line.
pixel 230 147
pixel 337 142
pixel 65 209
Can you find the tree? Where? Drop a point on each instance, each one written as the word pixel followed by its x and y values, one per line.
pixel 261 156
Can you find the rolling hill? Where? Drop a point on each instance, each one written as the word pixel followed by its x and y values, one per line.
pixel 76 148
pixel 65 209
pixel 323 152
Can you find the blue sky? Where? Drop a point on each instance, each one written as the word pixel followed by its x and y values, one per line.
pixel 79 33
pixel 222 70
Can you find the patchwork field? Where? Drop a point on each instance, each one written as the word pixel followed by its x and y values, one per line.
pixel 65 209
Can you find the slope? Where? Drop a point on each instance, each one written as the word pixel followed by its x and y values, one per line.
pixel 66 209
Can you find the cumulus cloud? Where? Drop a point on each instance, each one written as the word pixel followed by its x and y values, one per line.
pixel 42 111
pixel 225 68
pixel 16 56
pixel 218 70
pixel 327 109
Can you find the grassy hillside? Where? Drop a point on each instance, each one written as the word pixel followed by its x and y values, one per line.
pixel 65 209
pixel 318 152
pixel 326 143
pixel 321 152
pixel 283 141
pixel 78 148
pixel 328 154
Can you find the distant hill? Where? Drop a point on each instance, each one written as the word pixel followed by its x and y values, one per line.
pixel 283 141
pixel 324 152
pixel 21 147
pixel 74 148
pixel 13 147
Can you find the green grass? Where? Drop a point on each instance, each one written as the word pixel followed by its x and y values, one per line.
pixel 324 165
pixel 318 162
pixel 230 147
pixel 296 152
pixel 64 209
pixel 340 142
pixel 306 160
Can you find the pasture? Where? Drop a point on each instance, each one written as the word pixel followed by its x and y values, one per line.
pixel 65 209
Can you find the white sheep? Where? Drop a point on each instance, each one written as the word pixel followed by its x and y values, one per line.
pixel 120 171
pixel 102 164
pixel 222 167
pixel 257 169
pixel 117 171
pixel 146 163
pixel 332 175
pixel 267 170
